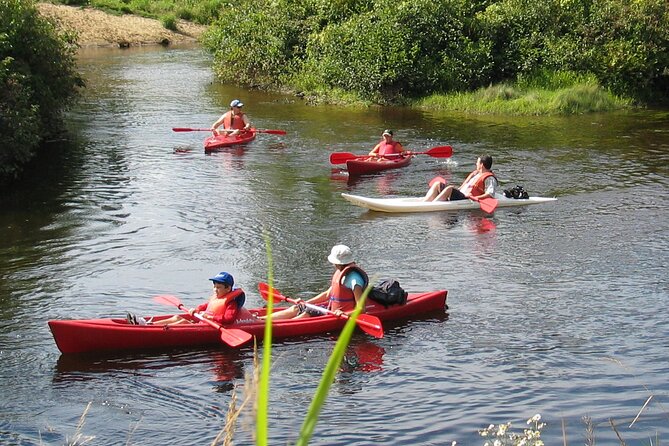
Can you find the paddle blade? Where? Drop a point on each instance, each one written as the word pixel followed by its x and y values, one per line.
pixel 370 325
pixel 342 157
pixel 264 292
pixel 166 299
pixel 188 129
pixel 235 337
pixel 271 132
pixel 437 180
pixel 440 152
pixel 488 205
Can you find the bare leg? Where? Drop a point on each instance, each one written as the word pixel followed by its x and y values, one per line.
pixel 288 313
pixel 445 194
pixel 432 192
pixel 174 320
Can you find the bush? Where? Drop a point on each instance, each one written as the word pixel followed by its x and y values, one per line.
pixel 37 80
pixel 169 21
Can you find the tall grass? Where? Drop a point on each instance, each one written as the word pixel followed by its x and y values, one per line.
pixel 543 93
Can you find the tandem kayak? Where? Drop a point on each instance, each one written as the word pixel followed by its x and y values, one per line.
pixel 100 335
pixel 365 166
pixel 217 142
pixel 414 204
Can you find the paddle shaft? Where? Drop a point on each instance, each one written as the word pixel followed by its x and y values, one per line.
pixel 368 323
pixel 234 337
pixel 189 129
pixel 435 152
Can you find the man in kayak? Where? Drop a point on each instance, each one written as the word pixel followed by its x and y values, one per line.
pixel 387 147
pixel 480 184
pixel 234 121
pixel 223 307
pixel 346 287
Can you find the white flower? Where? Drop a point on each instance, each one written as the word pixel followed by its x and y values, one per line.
pixel 534 419
pixel 497 443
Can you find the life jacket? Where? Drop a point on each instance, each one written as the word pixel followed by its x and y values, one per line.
pixel 388 148
pixel 341 297
pixel 234 122
pixel 217 306
pixel 475 183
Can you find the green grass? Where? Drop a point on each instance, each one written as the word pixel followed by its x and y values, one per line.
pixel 202 12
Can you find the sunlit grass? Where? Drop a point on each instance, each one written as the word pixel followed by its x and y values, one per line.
pixel 545 95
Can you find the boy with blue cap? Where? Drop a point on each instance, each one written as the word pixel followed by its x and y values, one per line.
pixel 223 307
pixel 234 121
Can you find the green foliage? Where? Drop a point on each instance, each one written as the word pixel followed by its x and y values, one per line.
pixel 169 21
pixel 38 79
pixel 390 51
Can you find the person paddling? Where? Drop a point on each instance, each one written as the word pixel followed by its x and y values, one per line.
pixel 234 121
pixel 346 288
pixel 225 306
pixel 479 184
pixel 387 147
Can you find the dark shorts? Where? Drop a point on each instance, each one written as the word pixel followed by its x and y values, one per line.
pixel 457 195
pixel 303 309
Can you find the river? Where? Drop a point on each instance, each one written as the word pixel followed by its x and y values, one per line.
pixel 558 309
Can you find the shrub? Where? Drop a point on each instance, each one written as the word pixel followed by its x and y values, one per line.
pixel 169 21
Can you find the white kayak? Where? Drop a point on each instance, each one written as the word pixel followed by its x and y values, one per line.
pixel 414 204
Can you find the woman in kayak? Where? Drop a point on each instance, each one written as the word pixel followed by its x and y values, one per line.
pixel 223 307
pixel 480 184
pixel 387 147
pixel 346 287
pixel 234 121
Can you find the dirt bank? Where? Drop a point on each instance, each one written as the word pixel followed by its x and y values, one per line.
pixel 98 28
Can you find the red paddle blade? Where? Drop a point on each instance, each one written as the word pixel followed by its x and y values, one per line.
pixel 264 292
pixel 370 325
pixel 234 337
pixel 188 129
pixel 342 157
pixel 440 152
pixel 166 299
pixel 488 205
pixel 437 180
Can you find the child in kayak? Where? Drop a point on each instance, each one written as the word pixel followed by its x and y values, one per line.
pixel 346 287
pixel 387 147
pixel 223 307
pixel 234 121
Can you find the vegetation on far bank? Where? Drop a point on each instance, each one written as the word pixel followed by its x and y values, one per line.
pixel 450 52
pixel 38 79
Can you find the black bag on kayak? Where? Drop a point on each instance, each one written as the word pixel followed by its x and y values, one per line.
pixel 517 193
pixel 389 292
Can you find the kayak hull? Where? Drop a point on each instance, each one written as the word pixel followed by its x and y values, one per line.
pixel 101 335
pixel 414 204
pixel 363 166
pixel 220 141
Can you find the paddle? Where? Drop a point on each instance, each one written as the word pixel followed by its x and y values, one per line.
pixel 367 323
pixel 189 129
pixel 234 337
pixel 434 152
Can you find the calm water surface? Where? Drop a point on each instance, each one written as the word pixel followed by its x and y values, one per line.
pixel 558 309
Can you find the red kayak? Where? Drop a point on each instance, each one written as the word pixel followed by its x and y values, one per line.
pixel 98 335
pixel 363 166
pixel 224 140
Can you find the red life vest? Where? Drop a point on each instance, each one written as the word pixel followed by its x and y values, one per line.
pixel 388 148
pixel 341 297
pixel 234 122
pixel 475 183
pixel 217 307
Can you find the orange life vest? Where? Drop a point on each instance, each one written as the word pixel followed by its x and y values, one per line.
pixel 341 297
pixel 234 122
pixel 217 306
pixel 475 183
pixel 388 148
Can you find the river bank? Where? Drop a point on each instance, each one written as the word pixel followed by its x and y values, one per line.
pixel 98 28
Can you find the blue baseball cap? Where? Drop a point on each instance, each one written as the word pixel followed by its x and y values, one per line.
pixel 236 103
pixel 223 277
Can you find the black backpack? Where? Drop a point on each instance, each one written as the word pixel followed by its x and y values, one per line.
pixel 517 192
pixel 388 292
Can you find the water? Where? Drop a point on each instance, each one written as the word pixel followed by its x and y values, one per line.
pixel 556 309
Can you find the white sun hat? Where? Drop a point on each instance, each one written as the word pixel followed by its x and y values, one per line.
pixel 340 255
